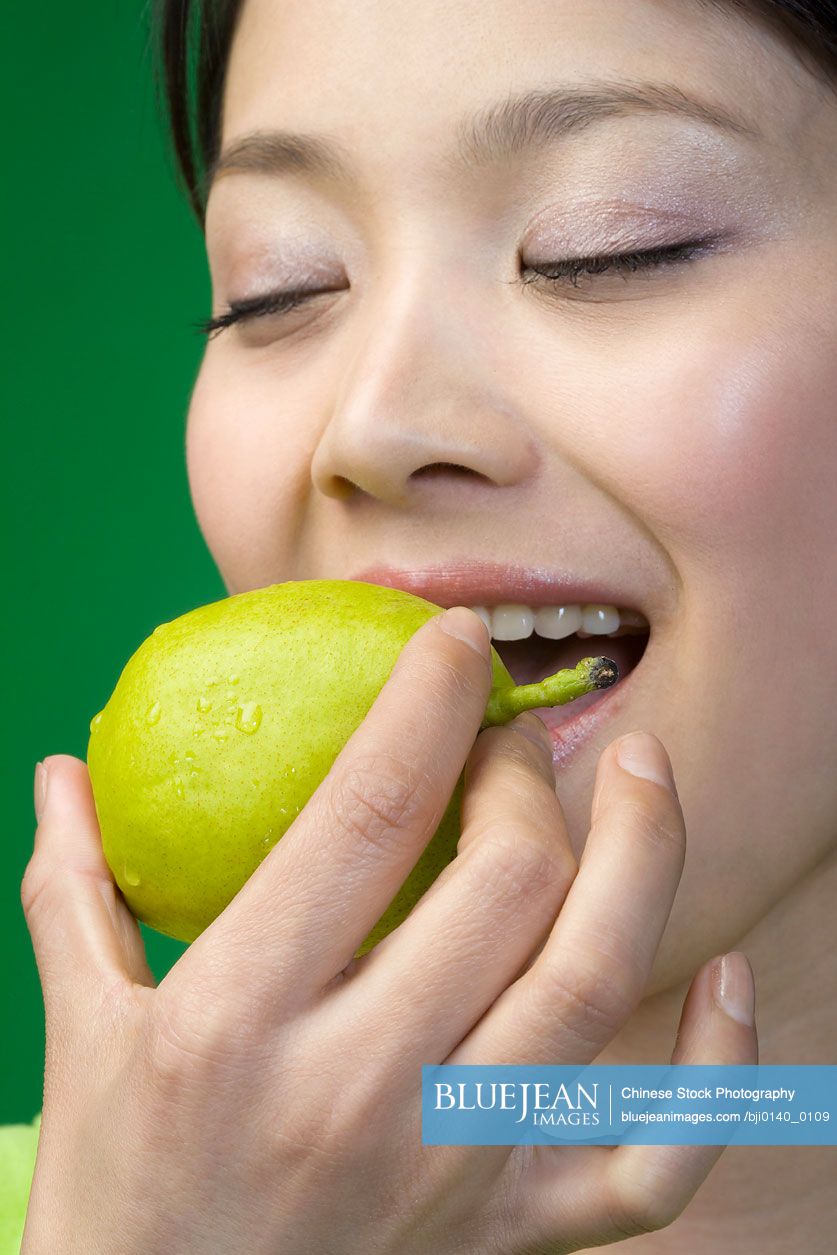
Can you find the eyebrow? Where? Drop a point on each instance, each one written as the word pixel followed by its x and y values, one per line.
pixel 492 134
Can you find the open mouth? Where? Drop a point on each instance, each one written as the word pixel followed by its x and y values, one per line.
pixel 542 621
pixel 536 642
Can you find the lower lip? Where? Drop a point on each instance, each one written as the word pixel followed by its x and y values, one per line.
pixel 569 733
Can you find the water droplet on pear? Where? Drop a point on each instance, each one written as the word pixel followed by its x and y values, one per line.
pixel 248 718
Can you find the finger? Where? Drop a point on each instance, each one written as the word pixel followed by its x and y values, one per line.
pixel 595 964
pixel 636 1189
pixel 717 1027
pixel 473 931
pixel 474 789
pixel 86 941
pixel 311 902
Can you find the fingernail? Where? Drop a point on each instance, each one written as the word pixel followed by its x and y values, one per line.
pixel 733 988
pixel 534 729
pixel 642 755
pixel 40 789
pixel 466 626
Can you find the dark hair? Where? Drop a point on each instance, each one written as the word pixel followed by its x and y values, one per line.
pixel 192 40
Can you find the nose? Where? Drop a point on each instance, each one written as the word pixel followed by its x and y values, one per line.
pixel 423 407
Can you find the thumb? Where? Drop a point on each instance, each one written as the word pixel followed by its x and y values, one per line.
pixel 717 1026
pixel 87 943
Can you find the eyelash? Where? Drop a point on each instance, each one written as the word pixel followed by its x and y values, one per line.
pixel 621 263
pixel 571 269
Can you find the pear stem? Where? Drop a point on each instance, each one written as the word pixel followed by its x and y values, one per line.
pixel 554 690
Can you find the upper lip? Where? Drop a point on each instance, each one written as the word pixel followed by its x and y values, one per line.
pixel 489 584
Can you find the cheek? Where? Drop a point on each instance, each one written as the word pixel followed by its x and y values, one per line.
pixel 728 453
pixel 248 466
pixel 728 457
pixel 724 447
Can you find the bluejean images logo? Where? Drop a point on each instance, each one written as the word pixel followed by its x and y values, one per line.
pixel 563 1106
pixel 665 1105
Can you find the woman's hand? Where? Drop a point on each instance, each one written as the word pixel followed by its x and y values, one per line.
pixel 265 1096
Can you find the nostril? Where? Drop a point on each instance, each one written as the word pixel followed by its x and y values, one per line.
pixel 434 468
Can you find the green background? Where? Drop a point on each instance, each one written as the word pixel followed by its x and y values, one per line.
pixel 104 273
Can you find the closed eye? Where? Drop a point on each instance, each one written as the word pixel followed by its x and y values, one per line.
pixel 259 307
pixel 570 270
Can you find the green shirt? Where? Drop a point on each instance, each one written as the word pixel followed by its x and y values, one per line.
pixel 18 1144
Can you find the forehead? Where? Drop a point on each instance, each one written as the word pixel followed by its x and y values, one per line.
pixel 404 68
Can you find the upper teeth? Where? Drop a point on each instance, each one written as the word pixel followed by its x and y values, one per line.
pixel 514 622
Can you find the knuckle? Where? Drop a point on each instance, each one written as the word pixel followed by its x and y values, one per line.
pixel 506 864
pixel 447 684
pixel 343 1128
pixel 587 998
pixel 653 826
pixel 34 887
pixel 377 798
pixel 638 1206
pixel 347 1127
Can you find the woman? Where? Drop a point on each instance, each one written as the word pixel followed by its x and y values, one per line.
pixel 530 309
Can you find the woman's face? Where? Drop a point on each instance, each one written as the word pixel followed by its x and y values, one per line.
pixel 662 439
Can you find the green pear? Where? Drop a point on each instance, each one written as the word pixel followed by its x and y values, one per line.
pixel 18 1148
pixel 225 721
